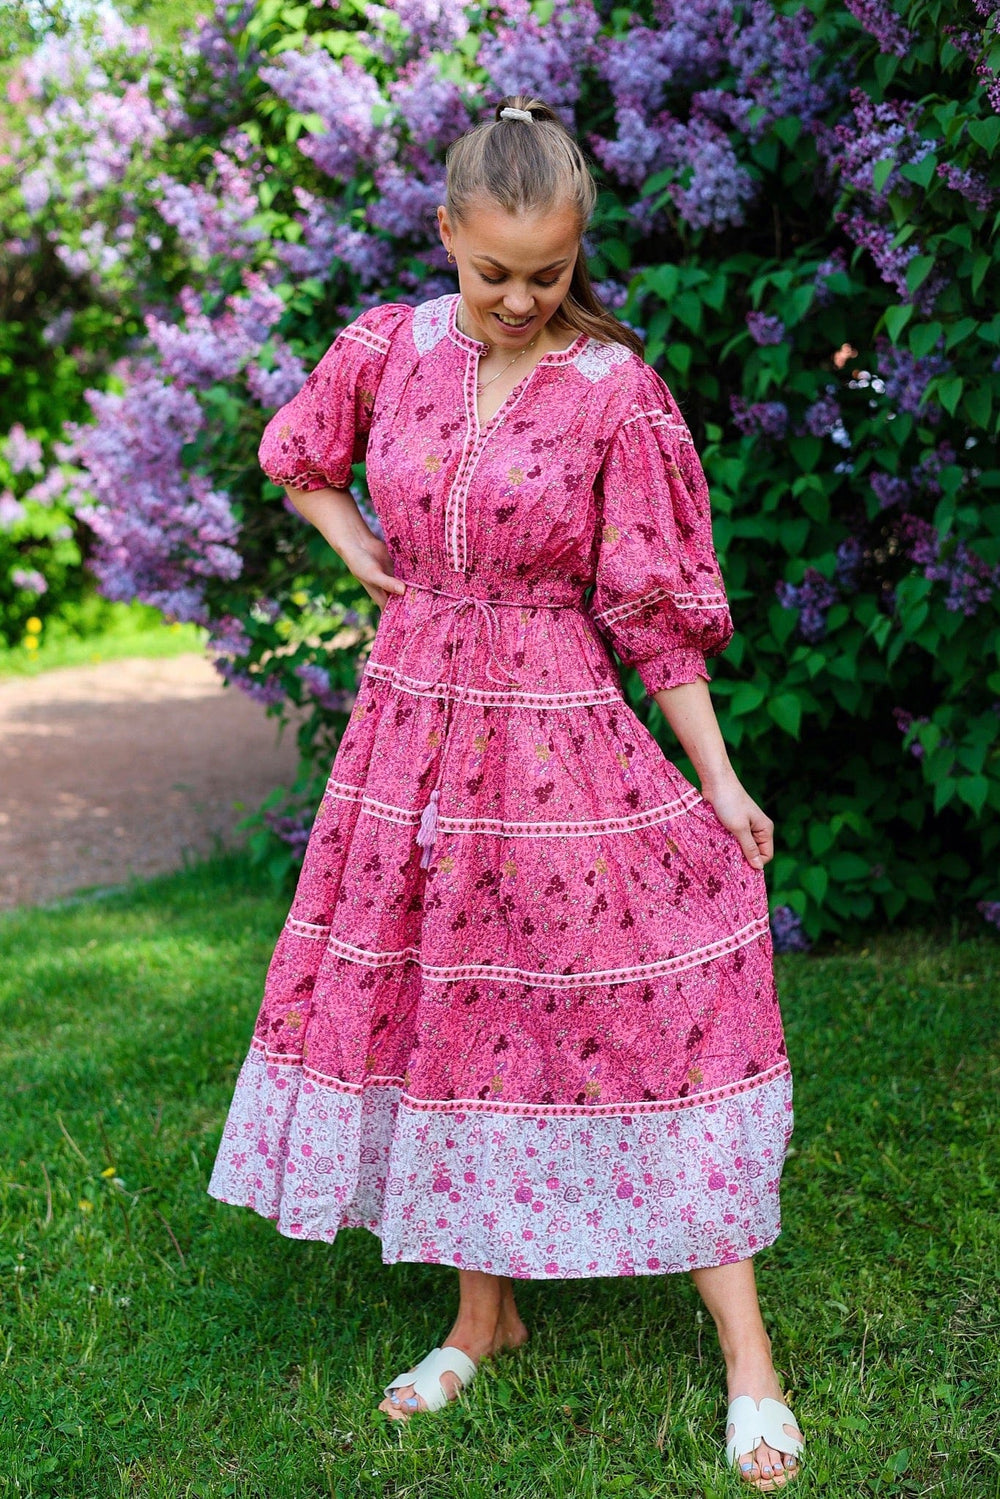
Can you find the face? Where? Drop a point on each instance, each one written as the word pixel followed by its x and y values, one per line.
pixel 514 270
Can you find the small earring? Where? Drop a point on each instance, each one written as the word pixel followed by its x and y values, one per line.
pixel 451 258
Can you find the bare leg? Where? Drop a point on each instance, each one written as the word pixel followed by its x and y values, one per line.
pixel 730 1294
pixel 487 1322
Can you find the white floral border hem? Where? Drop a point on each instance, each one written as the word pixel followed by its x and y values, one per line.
pixel 537 1195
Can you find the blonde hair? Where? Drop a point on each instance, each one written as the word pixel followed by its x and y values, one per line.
pixel 527 166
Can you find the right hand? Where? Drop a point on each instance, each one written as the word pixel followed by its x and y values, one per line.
pixel 371 564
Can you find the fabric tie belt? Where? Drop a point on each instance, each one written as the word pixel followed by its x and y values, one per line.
pixel 456 603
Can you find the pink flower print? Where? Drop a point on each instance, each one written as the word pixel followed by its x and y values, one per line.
pixel 572 1194
pixel 594 1217
pixel 653 1264
pixel 523 1194
pixel 489 1220
pixel 551 1267
pixel 716 1180
pixel 686 1214
pixel 553 1183
pixel 624 1189
pixel 527 1234
pixel 441 1223
pixel 470 1177
pixel 441 1184
pixel 537 1206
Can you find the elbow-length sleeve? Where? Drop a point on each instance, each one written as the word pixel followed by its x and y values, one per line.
pixel 659 598
pixel 312 441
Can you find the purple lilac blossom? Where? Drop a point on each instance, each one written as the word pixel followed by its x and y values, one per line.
pixel 907 377
pixel 327 241
pixel 924 475
pixel 972 185
pixel 850 556
pixel 345 96
pixel 990 911
pixel 765 329
pixel 22 452
pixel 878 132
pixel 640 145
pixel 719 188
pixel 269 691
pixel 408 203
pixel 880 21
pixel 971 581
pixel 29 579
pixel 685 48
pixel 762 418
pixel 834 265
pixel 161 532
pixel 774 60
pixel 432 24
pixel 273 388
pixel 812 597
pixel 12 512
pixel 229 637
pixel 316 680
pixel 904 722
pixel 436 110
pixel 293 829
pixel 890 489
pixel 526 56
pixel 787 933
pixel 823 417
pixel 213 221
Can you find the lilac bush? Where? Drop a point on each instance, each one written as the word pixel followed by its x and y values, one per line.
pixel 793 212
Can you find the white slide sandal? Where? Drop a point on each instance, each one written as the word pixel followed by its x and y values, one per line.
pixel 426 1377
pixel 754 1423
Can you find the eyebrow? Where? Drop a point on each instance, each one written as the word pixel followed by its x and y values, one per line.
pixel 500 267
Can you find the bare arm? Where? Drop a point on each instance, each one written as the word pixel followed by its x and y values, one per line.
pixel 688 710
pixel 335 514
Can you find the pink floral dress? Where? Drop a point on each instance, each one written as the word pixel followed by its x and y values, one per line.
pixel 522 1015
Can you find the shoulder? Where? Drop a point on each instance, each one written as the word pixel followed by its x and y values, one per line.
pixel 646 401
pixel 377 326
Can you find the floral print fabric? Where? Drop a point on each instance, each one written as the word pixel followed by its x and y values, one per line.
pixel 522 1015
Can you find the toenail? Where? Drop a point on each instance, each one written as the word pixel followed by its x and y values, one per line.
pixel 766 1468
pixel 411 1402
pixel 746 1467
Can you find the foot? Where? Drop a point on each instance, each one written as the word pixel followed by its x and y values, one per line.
pixel 479 1342
pixel 766 1468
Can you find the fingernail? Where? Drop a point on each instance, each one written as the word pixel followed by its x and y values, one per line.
pixel 746 1467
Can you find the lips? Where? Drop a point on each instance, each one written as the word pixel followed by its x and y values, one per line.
pixel 514 327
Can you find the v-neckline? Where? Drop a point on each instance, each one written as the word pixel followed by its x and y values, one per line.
pixel 474 346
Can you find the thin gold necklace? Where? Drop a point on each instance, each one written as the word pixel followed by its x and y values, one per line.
pixel 482 384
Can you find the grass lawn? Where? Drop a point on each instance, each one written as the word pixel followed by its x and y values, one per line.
pixel 158 1343
pixel 96 630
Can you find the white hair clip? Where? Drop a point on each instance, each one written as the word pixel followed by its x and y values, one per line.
pixel 517 114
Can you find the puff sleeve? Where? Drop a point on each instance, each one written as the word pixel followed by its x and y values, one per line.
pixel 658 598
pixel 312 441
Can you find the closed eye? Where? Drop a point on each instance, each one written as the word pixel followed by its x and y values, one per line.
pixel 498 280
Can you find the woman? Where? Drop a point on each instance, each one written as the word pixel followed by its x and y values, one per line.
pixel 522 1016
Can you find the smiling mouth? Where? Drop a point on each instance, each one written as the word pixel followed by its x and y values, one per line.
pixel 514 322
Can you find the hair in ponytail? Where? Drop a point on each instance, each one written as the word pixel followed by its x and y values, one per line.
pixel 525 167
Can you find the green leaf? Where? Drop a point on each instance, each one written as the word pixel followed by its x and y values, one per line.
pixel 959 331
pixel 924 338
pixel 896 319
pixel 973 791
pixel 985 133
pixel 848 866
pixel 815 882
pixel 917 271
pixel 786 710
pixel 949 392
pixel 679 355
pixel 921 172
pixel 882 171
pixel 980 266
pixel 688 308
pixel 978 403
pixel 806 451
pixel 746 698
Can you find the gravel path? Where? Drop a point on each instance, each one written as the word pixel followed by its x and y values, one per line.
pixel 123 768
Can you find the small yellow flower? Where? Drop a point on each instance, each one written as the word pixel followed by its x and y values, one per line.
pixel 515 476
pixel 480 742
pixel 432 463
pixel 622 759
pixel 695 1075
pixel 611 533
pixel 601 864
pixel 496 1083
pixel 31 642
pixel 293 1020
pixel 509 868
pixel 434 737
pixel 300 598
pixel 446 865
pixel 33 625
pixel 109 1171
pixel 85 1206
pixel 542 752
pixel 592 1089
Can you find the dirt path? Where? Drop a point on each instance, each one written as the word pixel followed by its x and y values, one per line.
pixel 123 767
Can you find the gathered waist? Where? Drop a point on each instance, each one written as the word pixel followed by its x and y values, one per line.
pixel 491 600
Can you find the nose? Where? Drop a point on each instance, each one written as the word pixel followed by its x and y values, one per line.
pixel 519 304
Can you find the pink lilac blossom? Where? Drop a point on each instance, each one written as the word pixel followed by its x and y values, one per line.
pixel 23 453
pixel 990 911
pixel 29 579
pixel 880 21
pixel 812 597
pixel 345 96
pixel 761 418
pixel 765 329
pixel 972 185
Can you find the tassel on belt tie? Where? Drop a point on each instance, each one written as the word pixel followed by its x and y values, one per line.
pixel 456 603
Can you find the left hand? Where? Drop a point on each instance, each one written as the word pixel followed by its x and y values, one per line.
pixel 737 811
